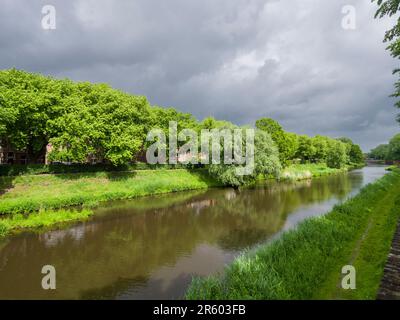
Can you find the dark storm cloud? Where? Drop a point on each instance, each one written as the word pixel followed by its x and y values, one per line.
pixel 234 59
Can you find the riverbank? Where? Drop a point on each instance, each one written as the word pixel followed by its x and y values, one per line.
pixel 308 171
pixel 32 200
pixel 306 263
pixel 34 192
pixel 41 219
pixel 30 193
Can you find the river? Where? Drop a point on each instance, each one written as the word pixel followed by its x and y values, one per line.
pixel 151 247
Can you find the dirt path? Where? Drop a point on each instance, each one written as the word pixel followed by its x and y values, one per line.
pixel 390 283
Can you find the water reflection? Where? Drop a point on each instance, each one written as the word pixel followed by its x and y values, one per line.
pixel 151 247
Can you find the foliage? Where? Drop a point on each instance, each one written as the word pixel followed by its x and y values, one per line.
pixel 308 171
pixel 389 151
pixel 353 151
pixel 380 152
pixel 394 148
pixel 34 192
pixel 305 263
pixel 80 120
pixel 101 122
pixel 388 8
pixel 211 123
pixel 84 122
pixel 33 169
pixel 391 168
pixel 266 155
pixel 356 155
pixel 27 102
pixel 306 150
pixel 41 219
pixel 266 162
pixel 160 118
pixel 321 148
pixel 287 143
pixel 337 155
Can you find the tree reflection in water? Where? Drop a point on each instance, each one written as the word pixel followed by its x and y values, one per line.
pixel 150 247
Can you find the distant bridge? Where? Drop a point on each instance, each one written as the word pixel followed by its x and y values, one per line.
pixel 382 162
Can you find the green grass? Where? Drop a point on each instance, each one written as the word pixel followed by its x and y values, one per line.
pixel 45 193
pixel 40 219
pixel 307 171
pixel 34 169
pixel 370 252
pixel 305 263
pixel 31 193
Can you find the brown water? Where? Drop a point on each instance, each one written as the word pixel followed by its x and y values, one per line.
pixel 151 247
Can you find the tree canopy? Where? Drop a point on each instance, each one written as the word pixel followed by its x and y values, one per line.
pixel 388 8
pixel 390 151
pixel 318 149
pixel 337 155
pixel 394 148
pixel 83 122
pixel 80 120
pixel 266 162
pixel 286 142
pixel 380 152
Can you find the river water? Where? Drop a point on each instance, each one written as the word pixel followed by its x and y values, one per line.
pixel 150 248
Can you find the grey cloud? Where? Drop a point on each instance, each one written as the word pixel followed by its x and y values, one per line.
pixel 236 60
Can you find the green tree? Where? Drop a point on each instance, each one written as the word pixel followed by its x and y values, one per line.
pixel 380 152
pixel 306 150
pixel 211 123
pixel 287 143
pixel 102 122
pixel 356 154
pixel 27 102
pixel 394 148
pixel 80 120
pixel 389 8
pixel 337 156
pixel 353 151
pixel 266 162
pixel 320 145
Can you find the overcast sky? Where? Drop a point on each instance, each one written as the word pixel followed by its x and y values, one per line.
pixel 237 60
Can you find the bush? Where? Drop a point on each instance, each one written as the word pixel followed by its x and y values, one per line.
pixel 337 156
pixel 3 229
pixel 266 162
pixel 300 263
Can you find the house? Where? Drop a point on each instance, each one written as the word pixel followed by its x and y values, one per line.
pixel 9 155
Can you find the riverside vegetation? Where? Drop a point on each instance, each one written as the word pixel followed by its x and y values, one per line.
pixel 31 193
pixel 41 219
pixel 84 121
pixel 305 263
pixel 28 198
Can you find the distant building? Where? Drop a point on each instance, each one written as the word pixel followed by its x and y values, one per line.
pixel 9 155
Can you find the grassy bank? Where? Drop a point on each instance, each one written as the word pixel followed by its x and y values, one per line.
pixel 29 193
pixel 33 192
pixel 307 171
pixel 306 263
pixel 34 169
pixel 42 194
pixel 40 219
